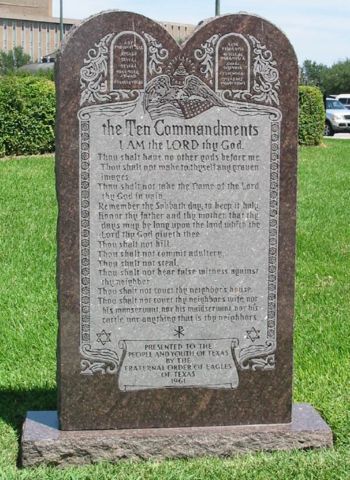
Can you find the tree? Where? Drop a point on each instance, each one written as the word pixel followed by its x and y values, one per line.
pixel 12 60
pixel 313 74
pixel 331 80
pixel 337 78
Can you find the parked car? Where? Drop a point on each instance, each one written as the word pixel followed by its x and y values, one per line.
pixel 337 117
pixel 344 98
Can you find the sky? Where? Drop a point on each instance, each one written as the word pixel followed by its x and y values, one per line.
pixel 319 30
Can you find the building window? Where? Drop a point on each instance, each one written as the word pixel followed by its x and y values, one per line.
pixel 5 45
pixel 40 41
pixel 56 37
pixel 48 38
pixel 31 41
pixel 23 36
pixel 14 34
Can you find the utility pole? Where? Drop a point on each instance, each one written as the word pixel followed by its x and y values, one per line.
pixel 217 7
pixel 61 20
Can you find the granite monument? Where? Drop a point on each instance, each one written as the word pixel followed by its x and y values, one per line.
pixel 176 180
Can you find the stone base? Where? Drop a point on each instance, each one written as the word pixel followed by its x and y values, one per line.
pixel 43 443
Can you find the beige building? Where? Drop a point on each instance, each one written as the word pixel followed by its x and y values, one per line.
pixel 30 25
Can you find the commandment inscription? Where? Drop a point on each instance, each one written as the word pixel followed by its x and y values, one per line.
pixel 179 192
pixel 234 72
pixel 128 62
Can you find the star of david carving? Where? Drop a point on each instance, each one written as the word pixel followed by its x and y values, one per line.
pixel 103 337
pixel 253 334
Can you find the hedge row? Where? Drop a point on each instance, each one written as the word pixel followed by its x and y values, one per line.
pixel 27 113
pixel 311 115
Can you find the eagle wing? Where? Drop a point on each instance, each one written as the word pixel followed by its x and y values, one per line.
pixel 157 89
pixel 196 87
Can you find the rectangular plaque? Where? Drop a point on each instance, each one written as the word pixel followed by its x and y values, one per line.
pixel 179 254
pixel 176 180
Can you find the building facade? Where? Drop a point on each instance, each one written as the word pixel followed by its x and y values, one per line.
pixel 33 8
pixel 29 24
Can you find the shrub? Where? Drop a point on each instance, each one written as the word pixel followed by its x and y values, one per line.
pixel 49 74
pixel 12 60
pixel 311 115
pixel 27 112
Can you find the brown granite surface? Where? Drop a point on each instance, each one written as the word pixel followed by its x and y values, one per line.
pixel 44 443
pixel 94 402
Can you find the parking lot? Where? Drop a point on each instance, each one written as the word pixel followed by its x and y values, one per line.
pixel 341 135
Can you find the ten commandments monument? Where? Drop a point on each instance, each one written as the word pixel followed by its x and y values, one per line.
pixel 176 179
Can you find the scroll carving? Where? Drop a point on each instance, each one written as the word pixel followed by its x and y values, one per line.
pixel 93 76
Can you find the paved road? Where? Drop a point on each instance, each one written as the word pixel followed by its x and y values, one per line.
pixel 342 135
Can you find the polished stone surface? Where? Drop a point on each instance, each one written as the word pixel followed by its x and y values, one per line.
pixel 128 98
pixel 43 443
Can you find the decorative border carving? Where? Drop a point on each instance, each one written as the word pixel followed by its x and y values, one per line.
pixel 262 357
pixel 157 53
pixel 255 357
pixel 273 231
pixel 101 360
pixel 95 360
pixel 266 75
pixel 84 177
pixel 205 55
pixel 93 77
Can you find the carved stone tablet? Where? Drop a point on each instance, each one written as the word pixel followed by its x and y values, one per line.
pixel 128 62
pixel 233 60
pixel 176 183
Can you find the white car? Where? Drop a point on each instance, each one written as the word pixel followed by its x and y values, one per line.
pixel 344 98
pixel 337 117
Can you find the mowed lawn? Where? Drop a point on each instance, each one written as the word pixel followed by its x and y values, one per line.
pixel 28 323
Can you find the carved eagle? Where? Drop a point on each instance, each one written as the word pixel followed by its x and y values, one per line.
pixel 187 100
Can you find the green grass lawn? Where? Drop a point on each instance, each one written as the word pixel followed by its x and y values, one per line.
pixel 322 329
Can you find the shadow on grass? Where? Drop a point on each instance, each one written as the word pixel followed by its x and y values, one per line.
pixel 14 404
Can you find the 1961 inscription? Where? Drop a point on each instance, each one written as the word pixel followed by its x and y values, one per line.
pixel 179 192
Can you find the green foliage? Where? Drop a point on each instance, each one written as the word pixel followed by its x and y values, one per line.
pixel 311 115
pixel 337 78
pixel 27 112
pixel 312 73
pixel 331 80
pixel 49 74
pixel 10 61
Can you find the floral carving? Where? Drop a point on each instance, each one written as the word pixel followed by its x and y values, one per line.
pixel 93 76
pixel 256 357
pixel 157 55
pixel 266 82
pixel 205 56
pixel 101 360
